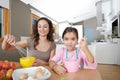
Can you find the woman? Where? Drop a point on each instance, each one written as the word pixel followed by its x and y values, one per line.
pixel 41 45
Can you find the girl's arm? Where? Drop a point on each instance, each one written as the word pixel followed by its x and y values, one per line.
pixel 84 47
pixel 87 56
pixel 52 64
pixel 59 69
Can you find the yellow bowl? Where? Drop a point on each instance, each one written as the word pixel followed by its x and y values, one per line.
pixel 27 61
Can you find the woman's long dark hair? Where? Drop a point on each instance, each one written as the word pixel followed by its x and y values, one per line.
pixel 35 33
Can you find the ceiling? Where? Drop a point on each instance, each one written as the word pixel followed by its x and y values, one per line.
pixel 71 11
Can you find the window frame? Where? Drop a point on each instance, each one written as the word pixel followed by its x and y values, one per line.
pixel 5 22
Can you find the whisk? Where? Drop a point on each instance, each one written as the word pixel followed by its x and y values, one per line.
pixel 20 49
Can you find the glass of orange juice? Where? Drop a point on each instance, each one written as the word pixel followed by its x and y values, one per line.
pixel 26 62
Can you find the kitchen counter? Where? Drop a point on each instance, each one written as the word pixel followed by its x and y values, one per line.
pixel 105 43
pixel 107 52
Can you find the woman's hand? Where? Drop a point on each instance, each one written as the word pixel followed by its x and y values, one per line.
pixel 59 69
pixel 9 39
pixel 39 62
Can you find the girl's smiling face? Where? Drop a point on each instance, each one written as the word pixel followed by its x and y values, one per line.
pixel 70 40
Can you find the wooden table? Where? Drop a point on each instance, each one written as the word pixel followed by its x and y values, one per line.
pixel 82 74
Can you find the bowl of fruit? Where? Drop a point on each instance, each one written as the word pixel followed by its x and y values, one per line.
pixel 6 70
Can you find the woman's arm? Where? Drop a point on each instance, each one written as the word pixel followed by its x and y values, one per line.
pixel 9 40
pixel 52 54
pixel 39 62
pixel 53 51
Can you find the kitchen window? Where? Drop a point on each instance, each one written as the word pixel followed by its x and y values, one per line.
pixel 34 18
pixel 1 21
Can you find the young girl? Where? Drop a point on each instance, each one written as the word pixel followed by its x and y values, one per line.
pixel 71 57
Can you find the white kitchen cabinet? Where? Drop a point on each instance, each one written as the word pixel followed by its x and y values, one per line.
pixel 107 53
pixel 118 56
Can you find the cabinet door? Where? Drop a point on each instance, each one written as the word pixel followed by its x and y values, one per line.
pixel 118 57
pixel 107 53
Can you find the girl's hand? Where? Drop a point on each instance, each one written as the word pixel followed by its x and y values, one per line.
pixel 59 69
pixel 10 39
pixel 83 44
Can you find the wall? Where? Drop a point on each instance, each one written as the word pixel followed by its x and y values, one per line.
pixel 20 19
pixel 116 6
pixel 90 31
pixel 92 23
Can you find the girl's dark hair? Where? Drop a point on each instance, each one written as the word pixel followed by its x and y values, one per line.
pixel 70 29
pixel 35 33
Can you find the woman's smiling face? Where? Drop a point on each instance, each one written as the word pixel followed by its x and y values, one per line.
pixel 43 28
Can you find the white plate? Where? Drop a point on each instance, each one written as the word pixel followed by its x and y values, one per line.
pixel 31 71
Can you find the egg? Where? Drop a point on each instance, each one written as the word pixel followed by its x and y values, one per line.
pixel 30 78
pixel 39 73
pixel 39 70
pixel 24 76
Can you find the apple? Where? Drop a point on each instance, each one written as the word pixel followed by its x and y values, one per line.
pixel 9 74
pixel 6 65
pixel 12 65
pixel 2 74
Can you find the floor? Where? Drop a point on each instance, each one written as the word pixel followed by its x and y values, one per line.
pixel 109 72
